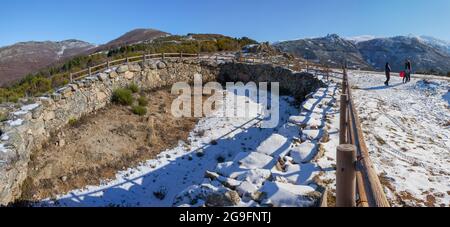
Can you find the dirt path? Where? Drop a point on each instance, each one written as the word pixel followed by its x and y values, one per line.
pixel 97 146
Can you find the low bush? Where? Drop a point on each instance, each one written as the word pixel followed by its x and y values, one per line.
pixel 139 110
pixel 142 101
pixel 133 88
pixel 3 117
pixel 122 96
pixel 73 121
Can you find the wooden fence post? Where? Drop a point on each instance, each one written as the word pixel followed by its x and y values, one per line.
pixel 71 77
pixel 343 119
pixel 163 56
pixel 128 60
pixel 143 57
pixel 108 64
pixel 90 71
pixel 307 67
pixel 181 55
pixel 346 175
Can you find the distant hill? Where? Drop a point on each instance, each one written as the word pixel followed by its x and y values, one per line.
pixel 19 59
pixel 367 52
pixel 330 50
pixel 424 57
pixel 133 37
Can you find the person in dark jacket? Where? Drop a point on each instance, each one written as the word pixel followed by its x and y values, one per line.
pixel 387 69
pixel 408 68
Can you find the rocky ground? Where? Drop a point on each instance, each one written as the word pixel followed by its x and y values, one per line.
pixel 94 148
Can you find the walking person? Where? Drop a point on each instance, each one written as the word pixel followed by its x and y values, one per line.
pixel 387 69
pixel 407 71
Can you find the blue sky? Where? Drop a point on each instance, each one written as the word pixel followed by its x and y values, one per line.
pixel 99 21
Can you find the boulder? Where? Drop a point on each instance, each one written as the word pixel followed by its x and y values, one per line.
pixel 102 77
pixel 122 69
pixel 134 67
pixel 49 115
pixel 128 75
pixel 113 74
pixel 305 152
pixel 274 146
pixel 161 65
pixel 254 160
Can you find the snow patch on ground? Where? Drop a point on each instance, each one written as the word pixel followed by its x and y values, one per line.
pixel 406 127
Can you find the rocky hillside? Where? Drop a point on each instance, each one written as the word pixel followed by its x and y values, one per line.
pixel 425 58
pixel 427 54
pixel 330 50
pixel 18 60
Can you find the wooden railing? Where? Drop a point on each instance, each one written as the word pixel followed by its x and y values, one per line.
pixel 357 183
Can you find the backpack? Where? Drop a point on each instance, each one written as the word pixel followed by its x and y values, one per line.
pixel 402 74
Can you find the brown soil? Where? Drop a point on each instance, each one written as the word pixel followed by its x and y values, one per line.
pixel 95 147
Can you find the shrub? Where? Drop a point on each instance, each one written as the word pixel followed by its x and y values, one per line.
pixel 142 101
pixel 133 88
pixel 73 121
pixel 139 110
pixel 3 117
pixel 122 96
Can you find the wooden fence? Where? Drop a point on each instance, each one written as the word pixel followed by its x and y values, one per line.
pixel 357 183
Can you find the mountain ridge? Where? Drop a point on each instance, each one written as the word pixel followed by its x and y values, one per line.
pixel 22 58
pixel 371 53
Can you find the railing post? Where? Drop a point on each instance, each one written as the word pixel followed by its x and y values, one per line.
pixel 143 57
pixel 90 71
pixel 343 119
pixel 71 77
pixel 163 56
pixel 181 55
pixel 128 60
pixel 346 175
pixel 307 67
pixel 108 64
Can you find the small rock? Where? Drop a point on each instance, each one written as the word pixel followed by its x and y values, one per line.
pixel 233 196
pixel 160 193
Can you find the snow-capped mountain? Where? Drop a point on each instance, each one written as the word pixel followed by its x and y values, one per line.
pixel 395 50
pixel 330 50
pixel 361 38
pixel 368 52
pixel 438 43
pixel 26 57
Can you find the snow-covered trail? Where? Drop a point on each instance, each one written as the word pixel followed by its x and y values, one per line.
pixel 407 130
